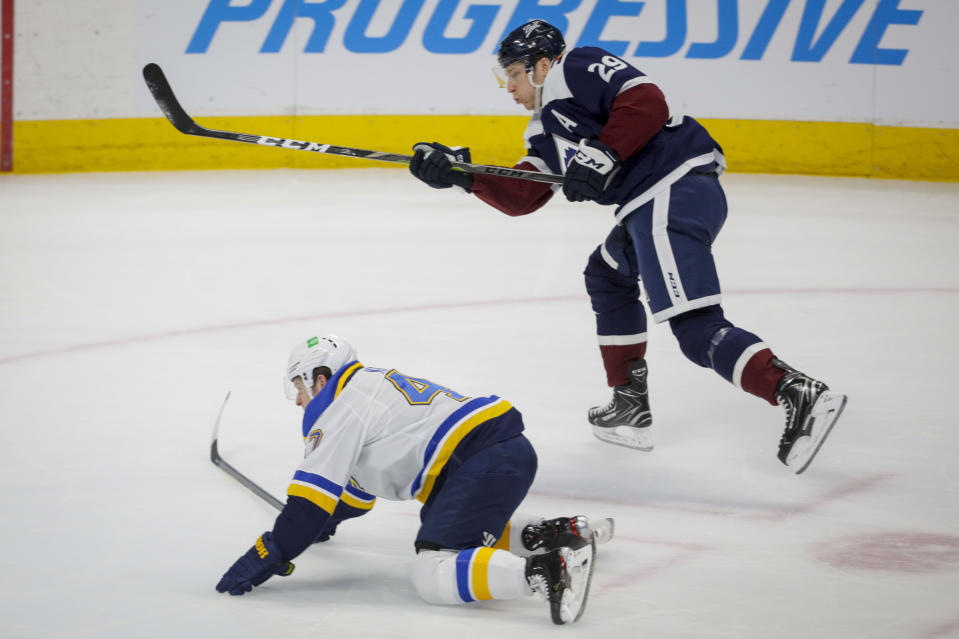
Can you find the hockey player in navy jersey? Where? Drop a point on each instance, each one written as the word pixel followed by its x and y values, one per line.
pixel 375 432
pixel 606 127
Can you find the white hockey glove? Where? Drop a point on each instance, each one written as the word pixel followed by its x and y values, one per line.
pixel 590 171
pixel 431 164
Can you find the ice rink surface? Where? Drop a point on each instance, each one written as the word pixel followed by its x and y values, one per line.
pixel 130 304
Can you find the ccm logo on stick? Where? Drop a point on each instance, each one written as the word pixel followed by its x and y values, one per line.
pixel 292 144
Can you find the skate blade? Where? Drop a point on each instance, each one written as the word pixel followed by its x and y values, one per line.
pixel 579 567
pixel 602 529
pixel 629 436
pixel 825 413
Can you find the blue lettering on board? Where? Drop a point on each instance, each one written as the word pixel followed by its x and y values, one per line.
pixel 816 33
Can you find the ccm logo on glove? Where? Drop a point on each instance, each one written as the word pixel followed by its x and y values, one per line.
pixel 590 171
pixel 595 159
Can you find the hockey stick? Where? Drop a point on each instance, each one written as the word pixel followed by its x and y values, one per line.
pixel 233 472
pixel 283 569
pixel 166 100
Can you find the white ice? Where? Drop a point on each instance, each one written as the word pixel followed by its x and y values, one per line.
pixel 131 303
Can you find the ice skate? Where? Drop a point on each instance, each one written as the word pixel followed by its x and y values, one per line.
pixel 811 412
pixel 566 531
pixel 562 576
pixel 626 419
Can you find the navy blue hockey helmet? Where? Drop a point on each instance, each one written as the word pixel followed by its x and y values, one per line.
pixel 530 42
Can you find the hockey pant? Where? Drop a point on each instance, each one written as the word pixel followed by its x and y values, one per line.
pixel 667 244
pixel 463 544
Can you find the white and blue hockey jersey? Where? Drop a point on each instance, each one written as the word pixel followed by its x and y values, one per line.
pixel 375 432
pixel 390 432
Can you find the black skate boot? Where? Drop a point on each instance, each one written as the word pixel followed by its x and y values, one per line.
pixel 626 419
pixel 566 531
pixel 562 576
pixel 811 412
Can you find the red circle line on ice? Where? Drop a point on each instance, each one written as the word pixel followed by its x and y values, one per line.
pixel 907 552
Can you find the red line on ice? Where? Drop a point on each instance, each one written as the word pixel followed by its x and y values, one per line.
pixel 682 552
pixel 778 514
pixel 856 486
pixel 200 330
pixel 944 630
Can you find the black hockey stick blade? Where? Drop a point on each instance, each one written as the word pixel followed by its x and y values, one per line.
pixel 163 94
pixel 166 100
pixel 233 472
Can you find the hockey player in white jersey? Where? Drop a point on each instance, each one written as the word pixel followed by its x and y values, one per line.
pixel 376 432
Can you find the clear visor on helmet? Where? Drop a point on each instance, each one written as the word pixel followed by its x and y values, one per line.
pixel 504 74
pixel 293 385
pixel 500 76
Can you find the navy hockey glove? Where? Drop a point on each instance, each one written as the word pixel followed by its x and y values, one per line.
pixel 260 562
pixel 590 171
pixel 431 164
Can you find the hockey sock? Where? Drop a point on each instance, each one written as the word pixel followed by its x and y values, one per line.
pixel 616 356
pixel 760 377
pixel 620 317
pixel 474 574
pixel 745 361
pixel 707 338
pixel 484 573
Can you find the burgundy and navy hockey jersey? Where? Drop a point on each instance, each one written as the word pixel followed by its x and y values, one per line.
pixel 590 93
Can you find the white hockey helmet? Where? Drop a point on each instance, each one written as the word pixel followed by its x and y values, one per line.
pixel 331 352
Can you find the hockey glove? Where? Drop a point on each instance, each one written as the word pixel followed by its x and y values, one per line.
pixel 431 164
pixel 590 171
pixel 260 562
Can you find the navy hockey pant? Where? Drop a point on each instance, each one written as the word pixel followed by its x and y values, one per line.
pixel 476 498
pixel 667 244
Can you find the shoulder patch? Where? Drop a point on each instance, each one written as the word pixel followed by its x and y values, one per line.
pixel 314 438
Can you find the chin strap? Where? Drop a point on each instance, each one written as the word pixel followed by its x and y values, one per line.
pixel 538 104
pixel 529 74
pixel 538 101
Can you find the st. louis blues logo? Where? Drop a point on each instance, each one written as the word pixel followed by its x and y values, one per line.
pixel 314 438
